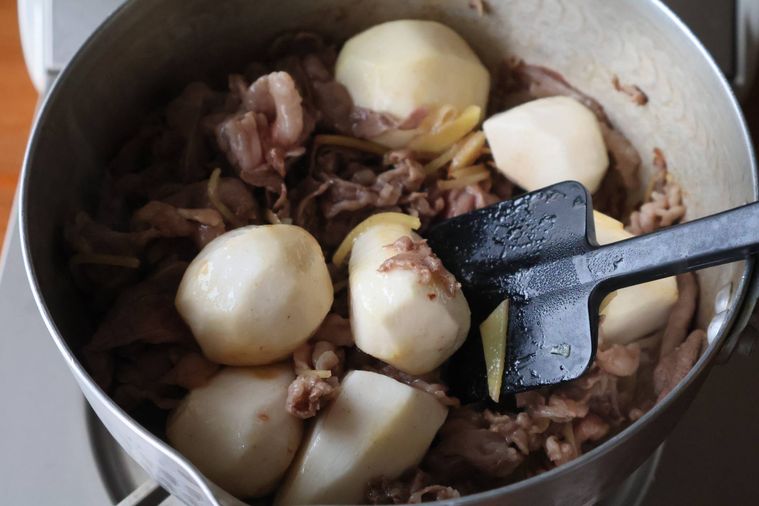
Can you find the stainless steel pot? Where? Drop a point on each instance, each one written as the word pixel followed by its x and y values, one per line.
pixel 150 47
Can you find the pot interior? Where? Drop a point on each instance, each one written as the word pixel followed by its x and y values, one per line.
pixel 150 49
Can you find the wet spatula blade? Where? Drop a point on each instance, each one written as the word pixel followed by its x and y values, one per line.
pixel 523 250
pixel 540 252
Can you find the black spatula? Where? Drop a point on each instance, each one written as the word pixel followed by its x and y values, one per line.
pixel 540 252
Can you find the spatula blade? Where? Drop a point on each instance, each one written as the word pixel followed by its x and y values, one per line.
pixel 522 250
pixel 548 341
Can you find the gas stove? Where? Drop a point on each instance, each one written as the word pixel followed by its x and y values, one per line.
pixel 53 449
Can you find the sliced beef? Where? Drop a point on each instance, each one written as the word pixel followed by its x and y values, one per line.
pixel 368 124
pixel 367 189
pixel 591 428
pixel 230 191
pixel 467 199
pixel 619 360
pixel 413 487
pixel 631 90
pixel 318 365
pixel 306 395
pixel 142 350
pixel 417 256
pixel 336 330
pixel 675 365
pixel 467 447
pixel 200 225
pixel 682 314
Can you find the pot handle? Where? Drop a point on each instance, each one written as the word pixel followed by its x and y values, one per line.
pixel 745 329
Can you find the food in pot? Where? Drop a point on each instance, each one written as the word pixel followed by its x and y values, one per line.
pixel 636 311
pixel 235 430
pixel 228 202
pixel 548 141
pixel 413 74
pixel 406 308
pixel 494 332
pixel 377 426
pixel 253 295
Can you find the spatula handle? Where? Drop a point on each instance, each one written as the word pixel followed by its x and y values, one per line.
pixel 714 240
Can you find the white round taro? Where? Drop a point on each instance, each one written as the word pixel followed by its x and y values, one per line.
pixel 377 427
pixel 401 66
pixel 547 141
pixel 411 325
pixel 636 311
pixel 236 430
pixel 255 294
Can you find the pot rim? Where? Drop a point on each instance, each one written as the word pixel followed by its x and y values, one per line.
pixel 741 307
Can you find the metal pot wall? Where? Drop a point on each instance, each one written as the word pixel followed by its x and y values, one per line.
pixel 150 48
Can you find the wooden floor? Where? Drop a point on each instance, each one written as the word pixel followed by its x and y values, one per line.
pixel 17 100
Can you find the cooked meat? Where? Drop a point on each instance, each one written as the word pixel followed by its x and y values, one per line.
pixel 334 102
pixel 682 314
pixel 265 132
pixel 151 354
pixel 520 430
pixel 634 92
pixel 327 358
pixel 663 205
pixel 600 391
pixel 229 191
pixel 336 330
pixel 84 235
pixel 559 409
pixel 433 493
pixel 591 428
pixel 193 370
pixel 412 488
pixel 207 217
pixel 541 82
pixel 346 186
pixel 365 189
pixel 619 360
pixel 626 160
pixel 239 137
pixel 319 356
pixel 664 209
pixel 383 490
pixel 559 452
pixel 201 225
pixel 318 365
pixel 674 366
pixel 87 238
pixel 141 375
pixel 184 117
pixel 287 127
pixel 309 60
pixel 276 98
pixel 368 124
pixel 467 199
pixel 467 447
pixel 144 313
pixel 416 256
pixel 306 395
